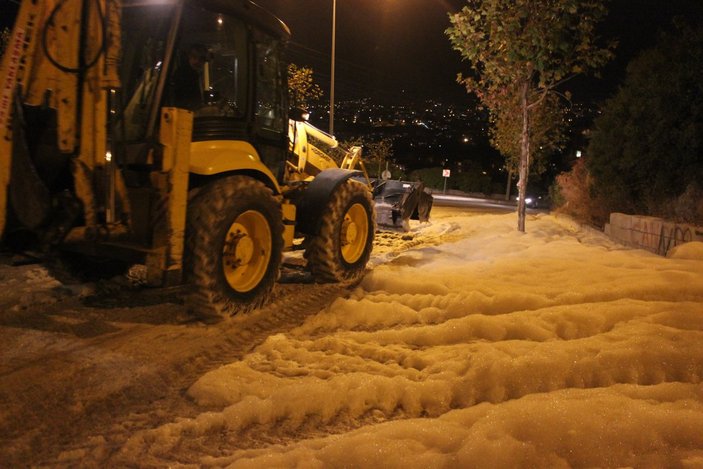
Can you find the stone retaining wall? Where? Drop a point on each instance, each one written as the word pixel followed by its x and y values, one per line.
pixel 650 233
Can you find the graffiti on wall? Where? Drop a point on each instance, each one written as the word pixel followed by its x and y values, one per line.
pixel 673 235
pixel 651 233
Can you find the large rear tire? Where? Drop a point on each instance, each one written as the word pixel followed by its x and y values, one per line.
pixel 342 247
pixel 234 240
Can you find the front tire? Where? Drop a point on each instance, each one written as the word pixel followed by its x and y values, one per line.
pixel 234 241
pixel 342 247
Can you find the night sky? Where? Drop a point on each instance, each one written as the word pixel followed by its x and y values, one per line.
pixel 8 10
pixel 385 48
pixel 396 49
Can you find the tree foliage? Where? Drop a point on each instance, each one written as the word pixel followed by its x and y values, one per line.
pixel 547 133
pixel 376 154
pixel 302 89
pixel 520 51
pixel 646 150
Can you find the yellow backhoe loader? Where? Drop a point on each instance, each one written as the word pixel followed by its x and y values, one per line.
pixel 396 202
pixel 158 132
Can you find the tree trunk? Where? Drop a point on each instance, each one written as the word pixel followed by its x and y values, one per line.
pixel 524 159
pixel 509 185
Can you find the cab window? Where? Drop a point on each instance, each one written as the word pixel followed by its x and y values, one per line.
pixel 143 47
pixel 270 86
pixel 209 72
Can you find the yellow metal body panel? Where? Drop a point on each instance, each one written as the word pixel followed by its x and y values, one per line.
pixel 318 160
pixel 311 160
pixel 288 211
pixel 165 263
pixel 57 88
pixel 306 143
pixel 14 68
pixel 221 156
pixel 52 80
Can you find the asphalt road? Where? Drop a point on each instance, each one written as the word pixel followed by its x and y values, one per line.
pixel 496 206
pixel 479 205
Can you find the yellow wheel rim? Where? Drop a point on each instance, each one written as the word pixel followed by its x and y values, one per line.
pixel 355 233
pixel 247 251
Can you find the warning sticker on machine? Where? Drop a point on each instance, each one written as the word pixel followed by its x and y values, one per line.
pixel 11 66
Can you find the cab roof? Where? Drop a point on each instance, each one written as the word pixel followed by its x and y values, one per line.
pixel 247 10
pixel 250 12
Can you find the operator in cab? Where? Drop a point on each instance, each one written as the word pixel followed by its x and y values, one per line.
pixel 188 85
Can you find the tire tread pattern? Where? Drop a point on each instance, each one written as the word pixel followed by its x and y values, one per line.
pixel 323 251
pixel 209 213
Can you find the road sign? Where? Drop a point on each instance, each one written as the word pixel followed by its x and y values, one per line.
pixel 385 175
pixel 446 172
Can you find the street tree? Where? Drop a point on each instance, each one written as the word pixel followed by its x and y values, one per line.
pixel 547 135
pixel 520 52
pixel 377 154
pixel 302 89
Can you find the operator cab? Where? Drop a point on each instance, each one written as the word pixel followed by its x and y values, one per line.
pixel 222 60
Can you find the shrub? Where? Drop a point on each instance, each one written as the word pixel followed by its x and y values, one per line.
pixel 688 207
pixel 573 196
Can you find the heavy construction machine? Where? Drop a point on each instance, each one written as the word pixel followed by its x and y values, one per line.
pixel 396 202
pixel 157 132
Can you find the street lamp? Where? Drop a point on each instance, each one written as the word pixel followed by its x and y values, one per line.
pixel 334 44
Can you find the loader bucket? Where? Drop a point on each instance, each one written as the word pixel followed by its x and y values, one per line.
pixel 397 202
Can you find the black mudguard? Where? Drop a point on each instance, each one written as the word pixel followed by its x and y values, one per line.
pixel 310 205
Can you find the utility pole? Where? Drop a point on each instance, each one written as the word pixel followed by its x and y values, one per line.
pixel 334 45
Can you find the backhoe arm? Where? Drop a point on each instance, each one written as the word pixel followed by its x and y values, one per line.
pixel 62 55
pixel 310 159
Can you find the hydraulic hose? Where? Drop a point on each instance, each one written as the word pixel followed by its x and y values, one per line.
pixel 82 67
